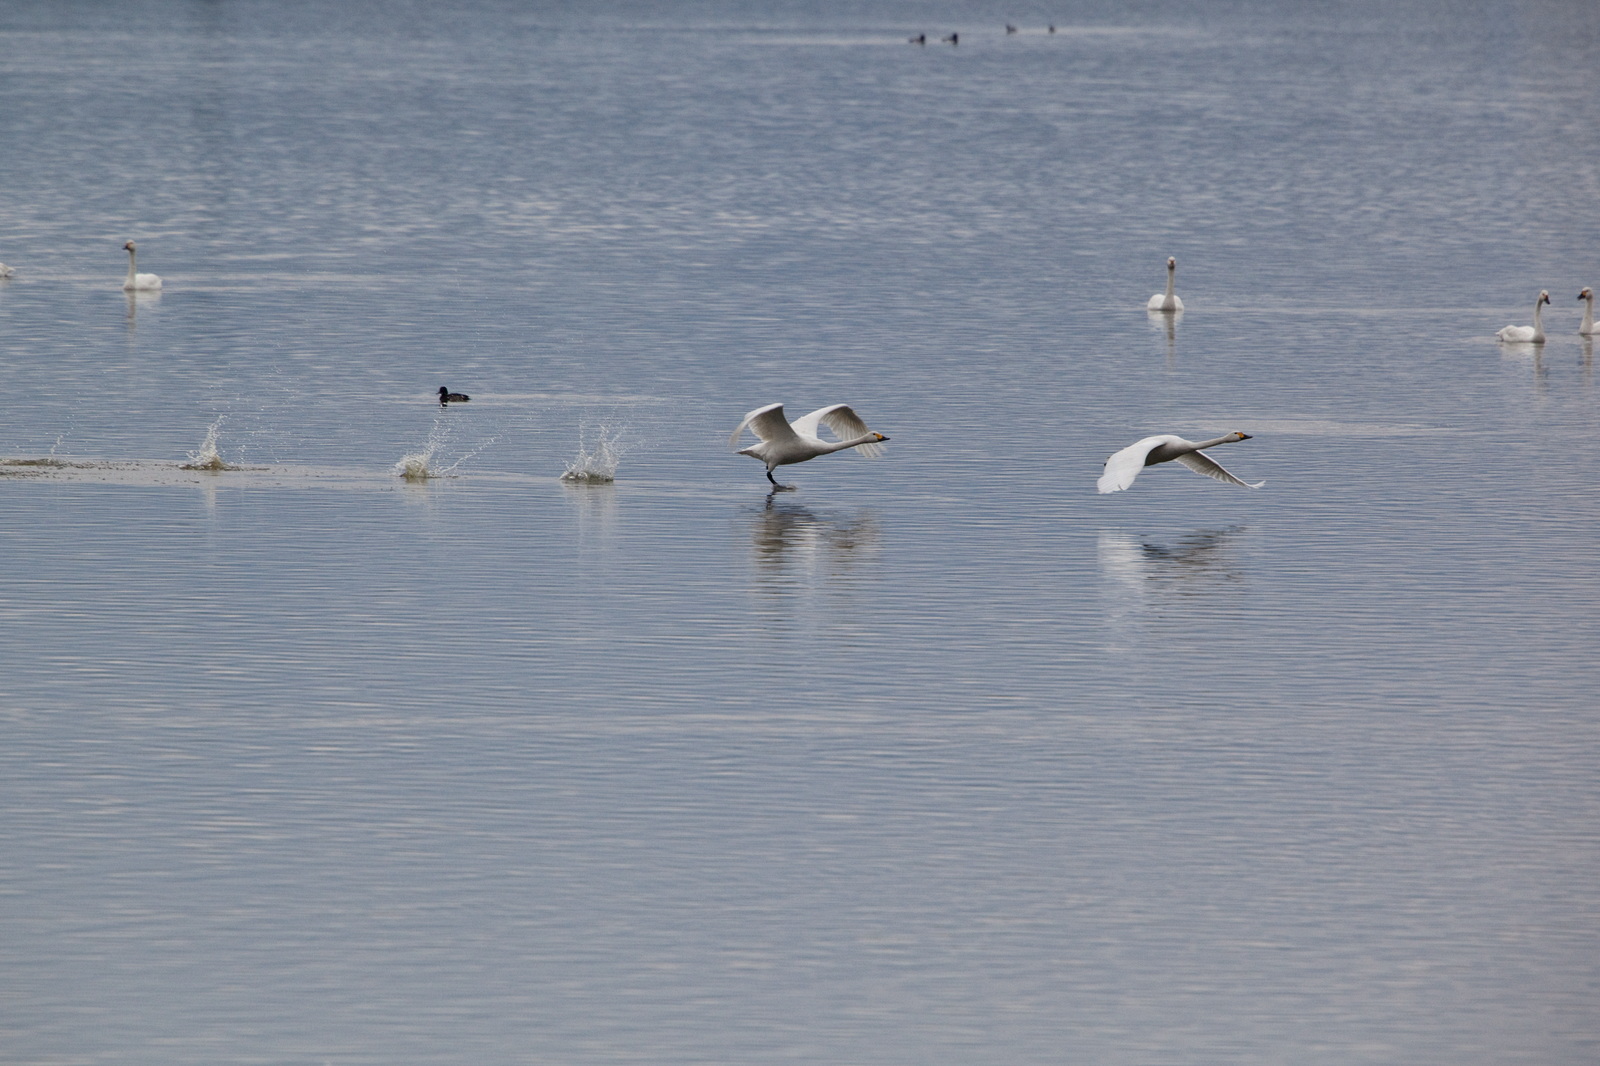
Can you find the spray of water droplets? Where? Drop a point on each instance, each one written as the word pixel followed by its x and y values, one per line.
pixel 208 458
pixel 600 450
pixel 423 465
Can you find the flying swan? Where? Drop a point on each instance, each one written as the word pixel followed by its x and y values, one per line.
pixel 1123 467
pixel 6 272
pixel 1533 334
pixel 1586 327
pixel 1166 301
pixel 784 442
pixel 138 282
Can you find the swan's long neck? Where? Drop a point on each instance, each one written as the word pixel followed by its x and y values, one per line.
pixel 1588 315
pixel 1538 322
pixel 132 269
pixel 865 438
pixel 1228 438
pixel 1172 274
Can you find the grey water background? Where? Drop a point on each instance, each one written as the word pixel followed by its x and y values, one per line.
pixel 942 758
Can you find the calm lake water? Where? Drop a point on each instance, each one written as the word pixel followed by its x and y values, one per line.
pixel 941 758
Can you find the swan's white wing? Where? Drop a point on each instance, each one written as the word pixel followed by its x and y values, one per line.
pixel 1124 466
pixel 767 422
pixel 837 417
pixel 1204 464
pixel 845 423
pixel 848 425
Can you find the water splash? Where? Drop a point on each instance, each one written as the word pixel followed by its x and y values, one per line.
pixel 208 458
pixel 420 465
pixel 600 450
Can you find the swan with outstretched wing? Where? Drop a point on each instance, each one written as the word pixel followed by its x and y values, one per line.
pixel 784 442
pixel 1125 465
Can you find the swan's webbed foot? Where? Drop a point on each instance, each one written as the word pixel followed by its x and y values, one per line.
pixel 776 487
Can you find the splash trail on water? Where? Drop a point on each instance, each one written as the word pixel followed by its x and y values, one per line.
pixel 600 450
pixel 419 465
pixel 208 458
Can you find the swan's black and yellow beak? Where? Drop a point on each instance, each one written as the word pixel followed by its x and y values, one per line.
pixel 880 436
pixel 1241 436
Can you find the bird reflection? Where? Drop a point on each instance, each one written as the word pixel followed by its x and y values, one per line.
pixel 1167 323
pixel 1532 356
pixel 137 300
pixel 1550 367
pixel 1145 575
pixel 793 542
pixel 1199 557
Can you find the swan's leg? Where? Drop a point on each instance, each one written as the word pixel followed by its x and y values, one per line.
pixel 775 486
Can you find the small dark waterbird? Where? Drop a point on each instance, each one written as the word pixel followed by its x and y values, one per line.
pixel 446 396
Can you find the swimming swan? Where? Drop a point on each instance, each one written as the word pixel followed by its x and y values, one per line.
pixel 1166 301
pixel 1124 466
pixel 136 281
pixel 1586 327
pixel 1533 334
pixel 784 442
pixel 446 396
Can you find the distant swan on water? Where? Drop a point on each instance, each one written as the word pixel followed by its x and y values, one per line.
pixel 138 282
pixel 1586 327
pixel 1125 465
pixel 784 442
pixel 1166 301
pixel 6 272
pixel 1533 334
pixel 446 396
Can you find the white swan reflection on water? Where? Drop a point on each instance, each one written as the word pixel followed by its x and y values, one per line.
pixel 1202 556
pixel 1166 322
pixel 793 544
pixel 136 300
pixel 1145 575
